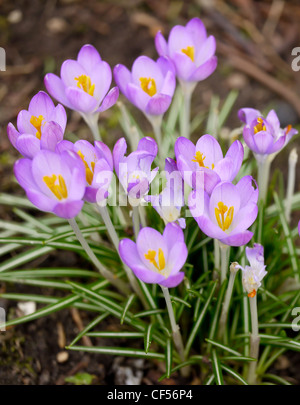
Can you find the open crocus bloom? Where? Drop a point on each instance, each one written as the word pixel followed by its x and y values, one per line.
pixel 264 135
pixel 53 182
pixel 169 202
pixel 39 127
pixel 228 212
pixel 207 156
pixel 149 86
pixel 134 171
pixel 191 51
pixel 84 83
pixel 98 163
pixel 156 258
pixel 253 274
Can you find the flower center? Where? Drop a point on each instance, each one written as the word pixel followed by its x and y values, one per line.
pixel 161 259
pixel 252 293
pixel 89 174
pixel 59 190
pixel 224 222
pixel 190 52
pixel 259 126
pixel 84 83
pixel 148 85
pixel 199 158
pixel 288 128
pixel 37 123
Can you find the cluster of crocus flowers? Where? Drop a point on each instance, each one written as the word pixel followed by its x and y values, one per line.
pixel 156 258
pixel 42 126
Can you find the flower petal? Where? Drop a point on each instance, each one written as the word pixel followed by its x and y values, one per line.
pixel 109 100
pixel 158 104
pixel 122 77
pixel 52 134
pixel 56 88
pixel 28 145
pixel 88 57
pixel 173 234
pixel 248 115
pixel 41 104
pixel 68 209
pixel 204 70
pixel 239 239
pixel 80 100
pixel 172 281
pixel 12 134
pixel 161 44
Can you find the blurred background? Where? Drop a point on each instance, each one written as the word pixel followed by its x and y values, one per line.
pixel 255 40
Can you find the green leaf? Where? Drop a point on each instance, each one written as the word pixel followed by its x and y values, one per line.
pixel 148 337
pixel 223 347
pixel 118 351
pixel 217 368
pixel 81 379
pixel 168 353
pixel 25 257
pixel 234 374
pixel 127 306
pixel 95 322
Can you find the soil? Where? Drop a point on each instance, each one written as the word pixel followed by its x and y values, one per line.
pixel 38 36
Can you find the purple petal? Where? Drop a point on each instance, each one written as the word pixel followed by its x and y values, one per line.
pixel 144 66
pixel 173 234
pixel 110 99
pixel 263 141
pixel 122 77
pixel 177 256
pixel 40 200
pixel 12 134
pixel 185 152
pixel 68 209
pixel 41 104
pixel 206 51
pixel 236 154
pixel 28 145
pixel 23 123
pixel 170 165
pixel 158 104
pixel 150 239
pixel 255 255
pixel 211 150
pixel 248 138
pixel 173 281
pixel 101 77
pixel 185 67
pixel 197 30
pixel 148 144
pixel 81 101
pixel 166 65
pixel 244 218
pixel 88 57
pixel 52 134
pixel 272 118
pixel 59 115
pixel 64 145
pixel 248 115
pixel 71 69
pixel 278 144
pixel 227 194
pixel 169 84
pixel 23 173
pixel 239 239
pixel 179 38
pixel 56 88
pixel 205 70
pixel 161 44
pixel 118 153
pixel 246 190
pixel 104 152
pixel 137 96
pixel 225 169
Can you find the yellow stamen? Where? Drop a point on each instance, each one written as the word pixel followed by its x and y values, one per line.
pixel 224 222
pixel 148 85
pixel 252 294
pixel 259 126
pixel 161 258
pixel 84 83
pixel 288 128
pixel 89 173
pixel 37 123
pixel 190 52
pixel 200 160
pixel 59 190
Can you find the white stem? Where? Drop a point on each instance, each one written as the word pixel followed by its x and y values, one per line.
pixel 92 122
pixel 187 91
pixel 293 158
pixel 156 125
pixel 142 216
pixel 263 177
pixel 136 221
pixel 225 252
pixel 103 271
pixel 254 341
pixel 177 338
pixel 226 303
pixel 115 240
pixel 217 254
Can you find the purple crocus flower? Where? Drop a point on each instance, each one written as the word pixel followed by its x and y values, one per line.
pixel 264 135
pixel 149 86
pixel 39 127
pixel 53 182
pixel 207 157
pixel 98 163
pixel 84 83
pixel 191 51
pixel 169 202
pixel 253 274
pixel 134 171
pixel 156 258
pixel 228 212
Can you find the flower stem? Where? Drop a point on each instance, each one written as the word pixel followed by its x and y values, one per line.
pixel 156 125
pixel 254 341
pixel 263 177
pixel 187 91
pixel 293 158
pixel 115 240
pixel 177 338
pixel 122 287
pixel 217 254
pixel 225 252
pixel 226 303
pixel 136 221
pixel 92 122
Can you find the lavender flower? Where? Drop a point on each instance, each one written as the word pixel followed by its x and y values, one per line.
pixel 84 83
pixel 149 86
pixel 134 171
pixel 53 183
pixel 253 274
pixel 227 214
pixel 207 157
pixel 156 258
pixel 39 127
